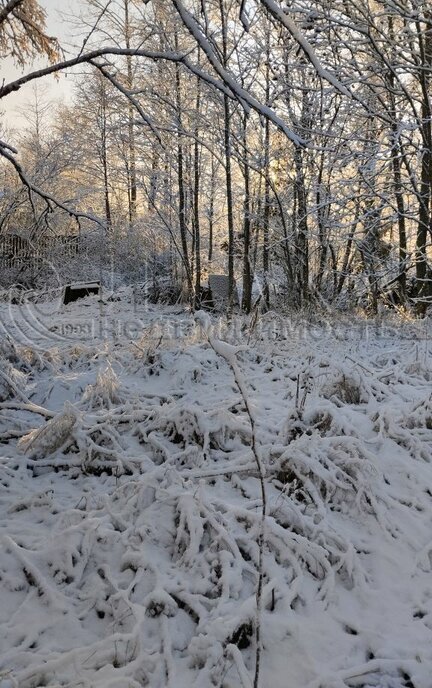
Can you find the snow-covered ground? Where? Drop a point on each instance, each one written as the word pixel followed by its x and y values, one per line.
pixel 131 505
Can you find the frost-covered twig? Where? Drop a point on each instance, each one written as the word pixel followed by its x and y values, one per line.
pixel 228 353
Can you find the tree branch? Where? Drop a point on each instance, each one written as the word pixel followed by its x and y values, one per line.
pixel 277 12
pixel 48 198
pixel 9 8
pixel 245 98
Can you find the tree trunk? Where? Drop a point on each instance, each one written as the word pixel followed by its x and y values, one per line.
pixel 211 209
pixel 247 272
pixel 424 289
pixel 181 185
pixel 302 227
pixel 266 218
pixel 228 157
pixel 397 178
pixel 132 191
pixel 104 157
pixel 196 200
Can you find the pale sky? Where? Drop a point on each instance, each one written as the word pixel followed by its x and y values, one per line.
pixel 58 12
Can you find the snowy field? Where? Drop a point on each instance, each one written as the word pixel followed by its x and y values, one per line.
pixel 131 504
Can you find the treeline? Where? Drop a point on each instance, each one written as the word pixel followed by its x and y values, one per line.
pixel 288 144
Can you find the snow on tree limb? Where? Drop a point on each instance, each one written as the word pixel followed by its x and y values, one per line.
pixel 227 83
pixel 15 85
pixel 50 200
pixel 277 12
pixel 243 16
pixel 127 93
pixel 89 57
pixel 242 95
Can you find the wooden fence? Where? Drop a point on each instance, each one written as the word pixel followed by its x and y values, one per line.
pixel 17 251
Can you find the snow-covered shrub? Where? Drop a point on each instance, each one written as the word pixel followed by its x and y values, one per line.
pixel 11 380
pixel 419 369
pixel 80 355
pixel 346 387
pixel 165 291
pixel 187 434
pixel 25 358
pixel 420 415
pixel 335 470
pixel 159 602
pixel 410 428
pixel 105 391
pixel 8 350
pixel 149 359
pixel 43 441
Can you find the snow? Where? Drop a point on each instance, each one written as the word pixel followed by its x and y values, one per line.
pixel 131 506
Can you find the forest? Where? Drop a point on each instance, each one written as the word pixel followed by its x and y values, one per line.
pixel 215 344
pixel 287 147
